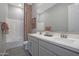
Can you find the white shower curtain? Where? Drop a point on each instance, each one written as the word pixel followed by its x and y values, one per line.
pixel 2 42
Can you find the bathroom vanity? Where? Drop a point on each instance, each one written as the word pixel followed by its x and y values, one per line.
pixel 40 45
pixel 62 18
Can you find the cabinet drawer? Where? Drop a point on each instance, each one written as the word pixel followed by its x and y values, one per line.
pixel 33 39
pixel 56 49
pixel 44 52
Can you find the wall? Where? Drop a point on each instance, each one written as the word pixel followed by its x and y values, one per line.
pixel 34 10
pixel 56 17
pixel 3 10
pixel 2 42
pixel 15 12
pixel 3 15
pixel 34 14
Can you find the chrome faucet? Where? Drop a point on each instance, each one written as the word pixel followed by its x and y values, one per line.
pixel 63 36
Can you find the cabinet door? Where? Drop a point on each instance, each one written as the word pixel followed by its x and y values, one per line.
pixel 29 46
pixel 33 46
pixel 45 52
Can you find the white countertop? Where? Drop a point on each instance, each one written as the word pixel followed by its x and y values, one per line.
pixel 69 43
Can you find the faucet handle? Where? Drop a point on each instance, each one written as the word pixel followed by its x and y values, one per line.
pixel 63 36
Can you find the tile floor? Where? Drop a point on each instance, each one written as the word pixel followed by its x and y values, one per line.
pixel 18 51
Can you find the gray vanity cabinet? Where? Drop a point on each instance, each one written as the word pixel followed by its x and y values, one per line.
pixel 33 46
pixel 40 47
pixel 45 52
pixel 58 50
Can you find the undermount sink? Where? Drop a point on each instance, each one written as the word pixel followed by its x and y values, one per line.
pixel 65 40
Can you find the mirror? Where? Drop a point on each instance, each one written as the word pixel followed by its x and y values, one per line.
pixel 62 17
